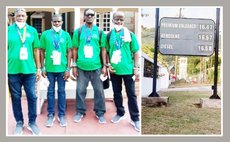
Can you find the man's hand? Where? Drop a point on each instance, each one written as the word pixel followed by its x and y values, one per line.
pixel 44 74
pixel 136 73
pixel 104 71
pixel 74 72
pixel 111 70
pixel 38 74
pixel 66 75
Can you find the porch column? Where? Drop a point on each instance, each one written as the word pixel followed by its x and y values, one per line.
pixel 77 17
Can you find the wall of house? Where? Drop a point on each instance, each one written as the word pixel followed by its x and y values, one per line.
pixel 147 82
pixel 48 19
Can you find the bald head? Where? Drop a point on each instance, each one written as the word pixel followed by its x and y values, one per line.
pixel 56 17
pixel 88 11
pixel 118 14
pixel 19 10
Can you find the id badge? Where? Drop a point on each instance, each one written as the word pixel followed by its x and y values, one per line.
pixel 88 51
pixel 116 57
pixel 23 53
pixel 56 58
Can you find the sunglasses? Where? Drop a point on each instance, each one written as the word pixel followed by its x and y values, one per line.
pixel 90 14
pixel 119 19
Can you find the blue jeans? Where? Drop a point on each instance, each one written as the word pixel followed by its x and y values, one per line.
pixel 15 82
pixel 53 77
pixel 99 98
pixel 130 91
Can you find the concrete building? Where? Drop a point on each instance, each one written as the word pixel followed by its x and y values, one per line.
pixel 40 18
pixel 147 76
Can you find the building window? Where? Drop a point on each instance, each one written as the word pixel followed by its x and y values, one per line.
pixel 106 21
pixel 103 21
pixel 148 68
pixel 37 23
pixel 64 21
pixel 98 19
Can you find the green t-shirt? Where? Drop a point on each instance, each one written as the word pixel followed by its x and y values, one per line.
pixel 89 37
pixel 126 63
pixel 63 40
pixel 15 65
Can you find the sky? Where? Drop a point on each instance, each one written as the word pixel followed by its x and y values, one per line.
pixel 188 12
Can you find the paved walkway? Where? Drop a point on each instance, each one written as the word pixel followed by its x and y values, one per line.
pixel 197 88
pixel 88 126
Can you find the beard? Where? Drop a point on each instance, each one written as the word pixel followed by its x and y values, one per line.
pixel 89 20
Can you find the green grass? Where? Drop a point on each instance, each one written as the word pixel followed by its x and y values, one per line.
pixel 181 116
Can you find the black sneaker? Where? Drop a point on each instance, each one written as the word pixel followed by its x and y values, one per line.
pixel 19 128
pixel 34 129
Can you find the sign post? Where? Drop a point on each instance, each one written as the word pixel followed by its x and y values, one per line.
pixel 214 87
pixel 154 93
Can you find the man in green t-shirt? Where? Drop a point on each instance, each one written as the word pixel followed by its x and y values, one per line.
pixel 88 50
pixel 23 69
pixel 122 46
pixel 56 47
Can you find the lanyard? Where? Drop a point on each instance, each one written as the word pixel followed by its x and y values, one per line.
pixel 88 32
pixel 56 41
pixel 119 41
pixel 22 38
